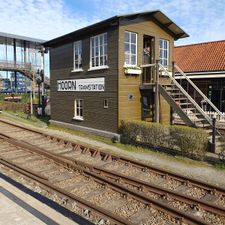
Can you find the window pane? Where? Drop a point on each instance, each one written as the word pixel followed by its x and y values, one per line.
pixel 127 34
pixel 101 50
pixel 127 59
pixel 161 53
pixel 165 44
pixel 92 42
pixel 133 38
pixel 101 40
pixel 161 43
pixel 127 47
pixel 133 49
pixel 81 112
pixel 96 51
pixel 101 61
pixel 165 54
pixel 96 41
pixel 97 62
pixel 105 60
pixel 133 59
pixel 105 50
pixel 105 38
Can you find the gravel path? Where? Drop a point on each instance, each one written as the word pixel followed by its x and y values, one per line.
pixel 200 171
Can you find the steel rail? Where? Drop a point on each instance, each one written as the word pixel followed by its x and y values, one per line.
pixel 100 211
pixel 143 166
pixel 134 181
pixel 180 215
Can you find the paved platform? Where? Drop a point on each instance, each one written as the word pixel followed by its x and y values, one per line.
pixel 20 208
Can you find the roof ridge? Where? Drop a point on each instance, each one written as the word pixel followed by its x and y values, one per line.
pixel 200 43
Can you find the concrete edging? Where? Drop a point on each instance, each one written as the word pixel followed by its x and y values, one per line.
pixel 86 129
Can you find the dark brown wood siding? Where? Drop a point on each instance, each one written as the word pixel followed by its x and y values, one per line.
pixel 62 103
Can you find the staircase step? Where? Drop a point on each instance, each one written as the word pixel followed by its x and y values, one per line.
pixel 185 103
pixel 174 94
pixel 203 125
pixel 189 108
pixel 197 114
pixel 179 99
pixel 199 120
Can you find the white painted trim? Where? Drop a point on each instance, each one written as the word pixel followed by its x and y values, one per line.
pixel 76 71
pixel 76 42
pixel 206 72
pixel 130 65
pixel 168 50
pixel 90 62
pixel 78 118
pixel 98 68
pixel 196 76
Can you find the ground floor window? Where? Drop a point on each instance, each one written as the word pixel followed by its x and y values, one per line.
pixel 79 109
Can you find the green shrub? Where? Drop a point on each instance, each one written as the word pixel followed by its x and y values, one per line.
pixel 190 141
pixel 141 132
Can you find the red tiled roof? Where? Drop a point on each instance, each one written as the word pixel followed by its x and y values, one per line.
pixel 209 56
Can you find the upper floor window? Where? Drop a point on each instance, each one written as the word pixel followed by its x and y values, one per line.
pixel 164 52
pixel 78 55
pixel 99 52
pixel 130 48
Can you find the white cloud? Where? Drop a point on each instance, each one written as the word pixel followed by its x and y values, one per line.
pixel 43 19
pixel 203 20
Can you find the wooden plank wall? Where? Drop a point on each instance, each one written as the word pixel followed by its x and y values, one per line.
pixel 131 109
pixel 62 103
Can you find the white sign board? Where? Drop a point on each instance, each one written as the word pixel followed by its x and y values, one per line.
pixel 91 84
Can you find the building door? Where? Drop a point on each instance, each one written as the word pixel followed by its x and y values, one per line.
pixel 147 103
pixel 216 94
pixel 148 58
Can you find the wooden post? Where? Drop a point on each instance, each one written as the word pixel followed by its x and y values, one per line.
pixel 173 68
pixel 214 134
pixel 157 92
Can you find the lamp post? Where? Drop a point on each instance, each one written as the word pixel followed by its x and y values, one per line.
pixel 38 81
pixel 43 51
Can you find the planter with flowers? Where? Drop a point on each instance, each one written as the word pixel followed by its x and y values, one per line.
pixel 134 70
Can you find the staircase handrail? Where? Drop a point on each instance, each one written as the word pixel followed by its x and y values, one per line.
pixel 199 91
pixel 187 95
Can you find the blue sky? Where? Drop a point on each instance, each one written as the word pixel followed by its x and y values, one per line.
pixel 203 20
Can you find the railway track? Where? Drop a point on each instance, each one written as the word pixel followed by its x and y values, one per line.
pixel 176 198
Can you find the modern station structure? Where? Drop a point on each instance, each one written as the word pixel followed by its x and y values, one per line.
pixel 118 69
pixel 204 64
pixel 20 59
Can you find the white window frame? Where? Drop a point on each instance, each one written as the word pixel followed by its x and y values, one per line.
pixel 76 116
pixel 77 45
pixel 104 45
pixel 129 53
pixel 164 59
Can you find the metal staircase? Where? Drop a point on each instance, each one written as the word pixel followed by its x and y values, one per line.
pixel 188 101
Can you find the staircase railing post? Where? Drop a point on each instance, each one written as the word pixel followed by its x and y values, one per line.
pixel 173 68
pixel 157 92
pixel 214 134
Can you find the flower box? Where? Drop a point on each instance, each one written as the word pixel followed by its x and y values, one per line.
pixel 134 71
